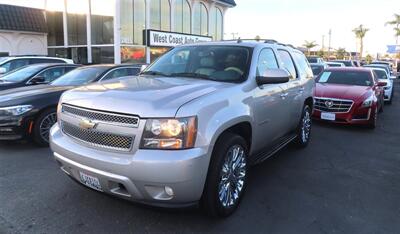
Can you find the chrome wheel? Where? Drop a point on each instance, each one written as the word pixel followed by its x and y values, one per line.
pixel 306 127
pixel 232 176
pixel 45 125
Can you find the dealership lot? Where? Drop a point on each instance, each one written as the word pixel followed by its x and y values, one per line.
pixel 346 181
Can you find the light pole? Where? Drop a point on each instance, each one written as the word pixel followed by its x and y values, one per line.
pixel 329 42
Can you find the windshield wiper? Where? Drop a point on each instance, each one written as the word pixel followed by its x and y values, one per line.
pixel 154 73
pixel 192 75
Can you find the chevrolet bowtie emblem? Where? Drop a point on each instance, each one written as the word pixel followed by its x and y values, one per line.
pixel 87 124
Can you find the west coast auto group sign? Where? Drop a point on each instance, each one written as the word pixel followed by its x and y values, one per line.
pixel 169 39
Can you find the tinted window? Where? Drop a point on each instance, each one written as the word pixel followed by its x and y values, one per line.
pixel 266 60
pixel 40 60
pixel 22 74
pixel 316 70
pixel 133 71
pixel 346 78
pixel 120 72
pixel 14 64
pixel 312 60
pixel 347 63
pixel 219 63
pixel 80 76
pixel 304 67
pixel 287 63
pixel 52 73
pixel 380 74
pixel 334 64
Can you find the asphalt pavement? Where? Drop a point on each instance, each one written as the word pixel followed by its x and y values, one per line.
pixel 346 181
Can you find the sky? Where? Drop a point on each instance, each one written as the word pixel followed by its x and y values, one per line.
pixel 294 21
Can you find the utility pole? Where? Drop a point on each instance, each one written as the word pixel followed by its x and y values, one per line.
pixel 323 43
pixel 329 43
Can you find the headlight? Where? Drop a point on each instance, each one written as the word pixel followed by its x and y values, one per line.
pixel 169 133
pixel 368 102
pixel 15 110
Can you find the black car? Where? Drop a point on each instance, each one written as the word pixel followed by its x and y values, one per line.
pixel 31 111
pixel 35 74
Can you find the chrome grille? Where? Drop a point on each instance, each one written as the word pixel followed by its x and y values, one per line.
pixel 118 119
pixel 99 139
pixel 333 105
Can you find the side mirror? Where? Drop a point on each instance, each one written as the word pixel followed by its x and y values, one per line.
pixel 381 84
pixel 273 76
pixel 2 70
pixel 38 80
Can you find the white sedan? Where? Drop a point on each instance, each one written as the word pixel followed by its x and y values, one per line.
pixel 384 76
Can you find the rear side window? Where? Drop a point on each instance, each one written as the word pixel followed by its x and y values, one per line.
pixel 133 71
pixel 287 62
pixel 43 60
pixel 303 66
pixel 266 60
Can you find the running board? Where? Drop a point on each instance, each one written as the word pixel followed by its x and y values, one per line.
pixel 264 155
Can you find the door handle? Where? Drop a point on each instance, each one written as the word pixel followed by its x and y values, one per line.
pixel 284 95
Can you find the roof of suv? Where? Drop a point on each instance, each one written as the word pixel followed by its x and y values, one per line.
pixel 8 58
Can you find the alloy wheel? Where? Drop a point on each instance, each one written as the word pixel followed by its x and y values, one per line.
pixel 306 126
pixel 232 176
pixel 45 125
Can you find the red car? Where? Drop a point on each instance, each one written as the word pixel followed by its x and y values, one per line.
pixel 348 96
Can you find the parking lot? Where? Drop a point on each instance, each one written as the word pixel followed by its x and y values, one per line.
pixel 346 181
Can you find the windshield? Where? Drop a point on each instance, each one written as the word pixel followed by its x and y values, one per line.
pixel 21 74
pixel 334 64
pixel 312 60
pixel 380 74
pixel 346 78
pixel 347 63
pixel 80 76
pixel 378 66
pixel 218 63
pixel 317 70
pixel 2 59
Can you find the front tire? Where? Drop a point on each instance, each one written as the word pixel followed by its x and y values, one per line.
pixel 43 124
pixel 304 129
pixel 374 120
pixel 227 176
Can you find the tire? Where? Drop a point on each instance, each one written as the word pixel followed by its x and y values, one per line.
pixel 42 126
pixel 374 120
pixel 303 132
pixel 213 200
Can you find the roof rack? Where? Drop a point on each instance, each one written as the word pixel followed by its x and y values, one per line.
pixel 240 40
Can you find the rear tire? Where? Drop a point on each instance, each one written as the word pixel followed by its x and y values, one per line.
pixel 303 131
pixel 227 176
pixel 43 123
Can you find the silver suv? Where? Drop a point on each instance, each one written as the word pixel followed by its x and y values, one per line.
pixel 188 128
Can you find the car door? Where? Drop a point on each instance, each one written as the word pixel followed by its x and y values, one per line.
pixel 268 109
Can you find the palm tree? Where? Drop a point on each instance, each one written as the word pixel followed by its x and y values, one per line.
pixel 360 32
pixel 309 45
pixel 396 24
pixel 341 53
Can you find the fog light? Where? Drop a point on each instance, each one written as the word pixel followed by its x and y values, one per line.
pixel 169 191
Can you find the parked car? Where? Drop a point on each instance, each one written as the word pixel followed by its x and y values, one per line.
pixel 348 63
pixel 383 66
pixel 188 128
pixel 31 111
pixel 315 60
pixel 335 64
pixel 387 63
pixel 11 63
pixel 384 76
pixel 348 96
pixel 36 74
pixel 318 68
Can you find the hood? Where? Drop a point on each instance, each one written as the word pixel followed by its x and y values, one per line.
pixel 29 92
pixel 350 92
pixel 4 85
pixel 142 96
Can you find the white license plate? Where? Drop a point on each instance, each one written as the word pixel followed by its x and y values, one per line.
pixel 90 181
pixel 328 116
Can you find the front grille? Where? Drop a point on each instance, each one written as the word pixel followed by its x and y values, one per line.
pixel 98 139
pixel 333 105
pixel 125 120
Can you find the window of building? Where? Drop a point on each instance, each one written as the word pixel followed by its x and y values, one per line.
pixel 200 21
pixel 76 20
pixel 102 21
pixel 182 16
pixel 156 52
pixel 55 36
pixel 133 21
pixel 103 55
pixel 58 52
pixel 287 62
pixel 216 23
pixel 134 54
pixel 160 14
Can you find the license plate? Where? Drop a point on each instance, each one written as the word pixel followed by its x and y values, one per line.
pixel 90 181
pixel 328 116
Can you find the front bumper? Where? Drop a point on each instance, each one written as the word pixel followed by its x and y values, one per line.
pixel 14 127
pixel 356 116
pixel 146 176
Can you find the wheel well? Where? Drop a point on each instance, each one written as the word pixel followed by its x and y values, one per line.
pixel 43 110
pixel 242 129
pixel 310 102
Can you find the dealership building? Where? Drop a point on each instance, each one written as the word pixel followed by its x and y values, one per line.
pixel 129 31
